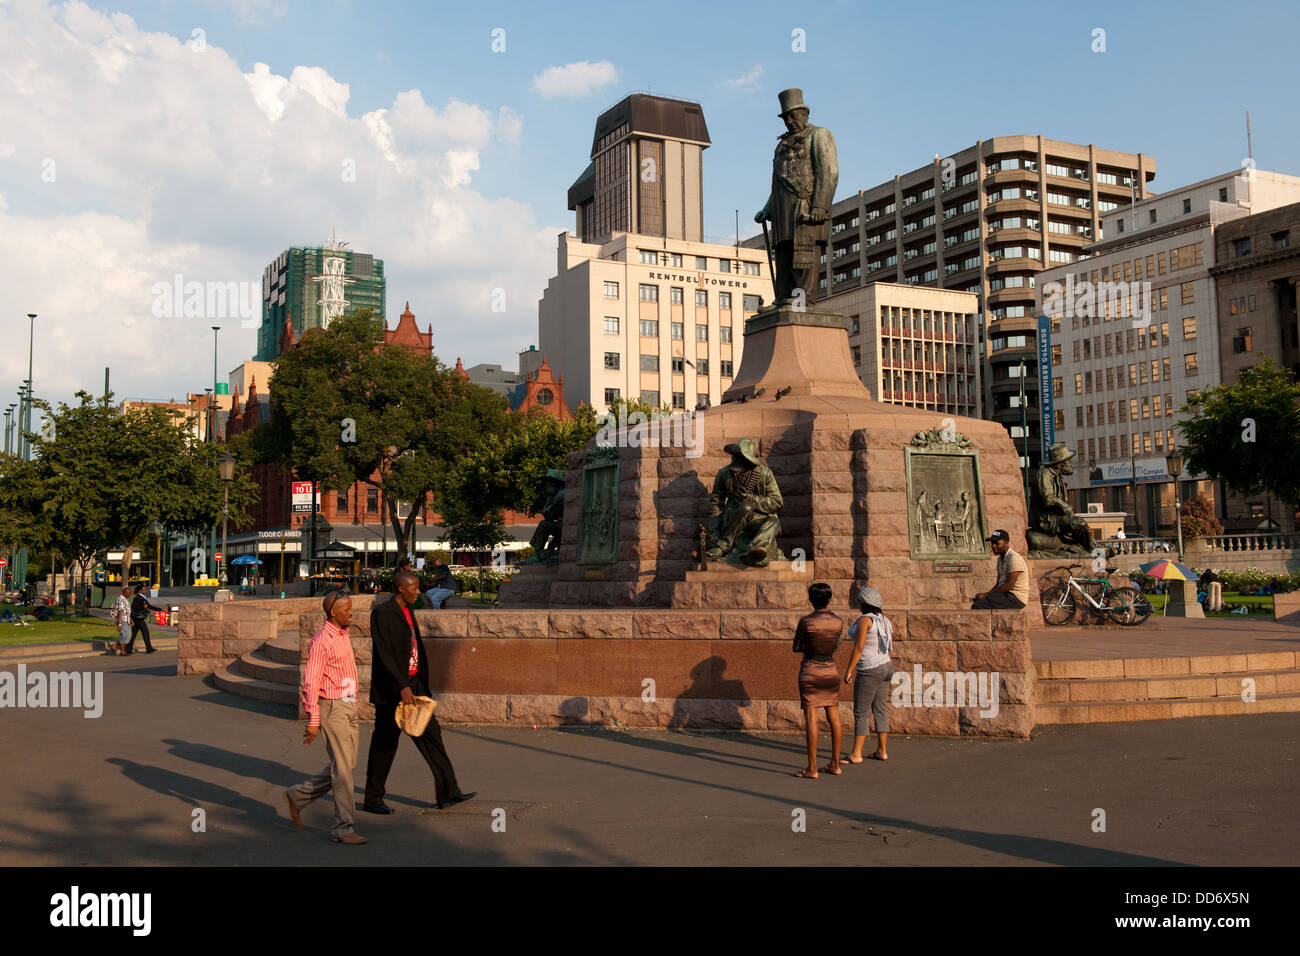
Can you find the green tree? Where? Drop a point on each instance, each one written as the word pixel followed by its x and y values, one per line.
pixel 505 470
pixel 100 479
pixel 349 409
pixel 1247 433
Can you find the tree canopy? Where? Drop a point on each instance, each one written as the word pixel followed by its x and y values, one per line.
pixel 100 479
pixel 347 408
pixel 1247 433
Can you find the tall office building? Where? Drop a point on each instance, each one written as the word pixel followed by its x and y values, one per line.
pixel 646 173
pixel 985 220
pixel 310 286
pixel 640 306
pixel 1124 361
pixel 914 345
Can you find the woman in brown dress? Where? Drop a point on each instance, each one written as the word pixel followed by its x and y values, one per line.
pixel 817 637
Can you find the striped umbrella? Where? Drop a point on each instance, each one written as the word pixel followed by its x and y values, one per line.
pixel 1168 571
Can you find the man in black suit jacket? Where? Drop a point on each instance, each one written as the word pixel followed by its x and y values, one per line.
pixel 399 671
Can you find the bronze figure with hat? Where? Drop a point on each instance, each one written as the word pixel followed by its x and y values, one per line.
pixel 805 172
pixel 550 505
pixel 743 522
pixel 1054 528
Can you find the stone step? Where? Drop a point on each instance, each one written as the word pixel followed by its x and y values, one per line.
pixel 283 649
pixel 1118 711
pixel 230 679
pixel 1166 688
pixel 1166 667
pixel 259 665
pixel 725 572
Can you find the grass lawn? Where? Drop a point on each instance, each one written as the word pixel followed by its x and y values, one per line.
pixel 1259 606
pixel 72 628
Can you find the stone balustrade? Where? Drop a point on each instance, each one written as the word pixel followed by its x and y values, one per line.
pixel 1259 541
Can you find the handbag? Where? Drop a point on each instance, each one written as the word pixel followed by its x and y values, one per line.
pixel 414 718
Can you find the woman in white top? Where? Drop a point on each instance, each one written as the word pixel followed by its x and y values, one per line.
pixel 122 618
pixel 873 638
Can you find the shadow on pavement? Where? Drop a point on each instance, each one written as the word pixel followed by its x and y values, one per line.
pixel 1032 849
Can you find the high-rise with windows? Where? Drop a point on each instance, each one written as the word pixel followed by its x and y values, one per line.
pixel 1136 332
pixel 986 220
pixel 640 306
pixel 305 287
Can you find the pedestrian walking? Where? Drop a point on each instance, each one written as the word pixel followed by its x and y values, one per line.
pixel 817 637
pixel 399 672
pixel 122 620
pixel 329 695
pixel 870 671
pixel 140 608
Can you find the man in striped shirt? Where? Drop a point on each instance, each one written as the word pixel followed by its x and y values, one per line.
pixel 329 694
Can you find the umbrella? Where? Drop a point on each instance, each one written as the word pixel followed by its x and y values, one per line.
pixel 1168 571
pixel 245 559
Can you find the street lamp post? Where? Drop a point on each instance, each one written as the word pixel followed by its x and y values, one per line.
pixel 212 432
pixel 1174 462
pixel 9 414
pixel 31 341
pixel 227 465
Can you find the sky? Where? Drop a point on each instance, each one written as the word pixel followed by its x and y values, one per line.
pixel 143 144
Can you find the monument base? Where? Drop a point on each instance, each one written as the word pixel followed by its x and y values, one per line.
pixel 1180 600
pixel 529 586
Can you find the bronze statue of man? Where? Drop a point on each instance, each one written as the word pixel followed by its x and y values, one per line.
pixel 550 505
pixel 743 508
pixel 805 172
pixel 1053 525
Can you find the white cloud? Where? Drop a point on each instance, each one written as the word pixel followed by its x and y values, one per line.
pixel 574 80
pixel 172 161
pixel 746 82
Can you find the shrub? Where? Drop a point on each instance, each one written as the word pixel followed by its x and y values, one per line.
pixel 1198 518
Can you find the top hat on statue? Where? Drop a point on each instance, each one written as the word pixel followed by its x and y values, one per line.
pixel 791 100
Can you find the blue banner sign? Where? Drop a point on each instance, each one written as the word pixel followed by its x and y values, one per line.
pixel 1048 420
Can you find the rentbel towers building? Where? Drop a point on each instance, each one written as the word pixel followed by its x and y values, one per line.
pixel 641 306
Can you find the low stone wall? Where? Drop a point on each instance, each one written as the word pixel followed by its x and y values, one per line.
pixel 656 668
pixel 210 636
pixel 1286 608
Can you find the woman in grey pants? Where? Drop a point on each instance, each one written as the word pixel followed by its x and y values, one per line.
pixel 873 638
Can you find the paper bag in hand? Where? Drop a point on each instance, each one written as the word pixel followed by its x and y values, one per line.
pixel 414 718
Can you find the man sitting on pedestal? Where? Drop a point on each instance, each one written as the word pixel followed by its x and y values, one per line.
pixel 743 508
pixel 1011 592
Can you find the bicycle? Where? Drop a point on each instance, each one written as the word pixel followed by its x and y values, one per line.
pixel 1125 605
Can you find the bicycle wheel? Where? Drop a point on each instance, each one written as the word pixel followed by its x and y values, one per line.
pixel 1058 605
pixel 1131 606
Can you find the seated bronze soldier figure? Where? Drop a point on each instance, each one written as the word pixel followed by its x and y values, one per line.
pixel 743 522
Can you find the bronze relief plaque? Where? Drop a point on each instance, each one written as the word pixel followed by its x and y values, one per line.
pixel 946 519
pixel 598 519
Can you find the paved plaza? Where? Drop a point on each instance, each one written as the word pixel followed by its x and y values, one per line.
pixel 122 790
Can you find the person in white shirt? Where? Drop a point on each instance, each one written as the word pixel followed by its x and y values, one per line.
pixel 1012 589
pixel 873 636
pixel 122 618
